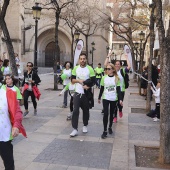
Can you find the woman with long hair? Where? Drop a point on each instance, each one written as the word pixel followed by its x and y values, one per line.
pixel 110 92
pixel 5 68
pixel 31 79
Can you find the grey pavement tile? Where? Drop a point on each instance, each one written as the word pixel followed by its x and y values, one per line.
pixel 77 153
pixel 37 166
pixel 145 133
pixel 57 167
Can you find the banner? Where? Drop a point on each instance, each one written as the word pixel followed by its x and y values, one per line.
pixel 128 52
pixel 77 52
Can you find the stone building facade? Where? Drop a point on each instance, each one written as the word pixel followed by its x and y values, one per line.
pixel 21 26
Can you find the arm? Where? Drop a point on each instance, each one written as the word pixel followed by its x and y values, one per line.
pixel 107 58
pixel 100 93
pixel 36 79
pixel 65 89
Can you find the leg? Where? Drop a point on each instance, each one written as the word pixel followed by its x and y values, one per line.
pixel 6 153
pixel 99 82
pixel 71 104
pixel 26 95
pixel 105 116
pixel 119 106
pixel 158 110
pixel 113 107
pixel 75 117
pixel 85 108
pixel 33 100
pixel 65 97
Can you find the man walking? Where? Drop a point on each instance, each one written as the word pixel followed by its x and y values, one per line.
pixel 84 77
pixel 99 72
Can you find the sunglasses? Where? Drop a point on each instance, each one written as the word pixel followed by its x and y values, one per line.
pixel 29 65
pixel 107 69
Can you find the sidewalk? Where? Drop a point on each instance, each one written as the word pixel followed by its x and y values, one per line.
pixel 49 147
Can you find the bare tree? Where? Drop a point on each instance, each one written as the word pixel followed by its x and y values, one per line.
pixel 7 38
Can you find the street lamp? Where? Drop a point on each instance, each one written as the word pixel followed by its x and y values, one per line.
pixel 36 10
pixel 76 35
pixel 136 48
pixel 93 49
pixel 141 37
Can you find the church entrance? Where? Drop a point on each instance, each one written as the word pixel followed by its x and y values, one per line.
pixel 50 54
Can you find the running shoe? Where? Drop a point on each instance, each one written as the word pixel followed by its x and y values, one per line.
pixel 155 119
pixel 25 113
pixel 104 135
pixel 63 106
pixel 35 112
pixel 115 120
pixel 85 129
pixel 74 133
pixel 110 131
pixel 120 114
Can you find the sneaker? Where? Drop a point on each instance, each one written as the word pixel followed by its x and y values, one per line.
pixel 155 119
pixel 110 131
pixel 25 113
pixel 115 120
pixel 102 112
pixel 74 133
pixel 63 106
pixel 120 114
pixel 104 135
pixel 35 112
pixel 85 129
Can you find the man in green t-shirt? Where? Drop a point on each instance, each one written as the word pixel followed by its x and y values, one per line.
pixel 99 73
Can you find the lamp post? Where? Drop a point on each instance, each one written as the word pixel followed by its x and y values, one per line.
pixel 36 15
pixel 76 36
pixel 136 48
pixel 93 45
pixel 141 37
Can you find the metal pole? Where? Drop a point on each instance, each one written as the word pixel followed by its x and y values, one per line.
pixel 92 57
pixel 35 50
pixel 136 60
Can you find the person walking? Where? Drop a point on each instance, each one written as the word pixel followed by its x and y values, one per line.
pixel 99 73
pixel 144 83
pixel 84 77
pixel 1 63
pixel 10 125
pixel 66 77
pixel 110 89
pixel 31 79
pixel 5 68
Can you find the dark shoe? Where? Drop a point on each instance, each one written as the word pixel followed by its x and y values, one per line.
pixel 102 111
pixel 104 135
pixel 25 113
pixel 110 131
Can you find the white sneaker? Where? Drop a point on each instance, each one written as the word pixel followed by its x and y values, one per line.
pixel 74 133
pixel 155 119
pixel 85 129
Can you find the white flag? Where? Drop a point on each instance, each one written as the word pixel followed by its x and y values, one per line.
pixel 77 52
pixel 128 52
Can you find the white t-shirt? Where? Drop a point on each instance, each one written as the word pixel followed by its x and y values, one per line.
pixel 5 123
pixel 82 74
pixel 68 74
pixel 110 92
pixel 6 70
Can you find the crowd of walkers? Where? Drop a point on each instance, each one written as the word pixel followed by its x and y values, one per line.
pixel 78 82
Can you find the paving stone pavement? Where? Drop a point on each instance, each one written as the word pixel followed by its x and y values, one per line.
pixel 49 147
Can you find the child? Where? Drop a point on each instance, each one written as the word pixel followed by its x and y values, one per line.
pixel 71 87
pixel 10 82
pixel 156 94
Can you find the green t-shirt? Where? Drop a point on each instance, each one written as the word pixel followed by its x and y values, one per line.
pixel 99 72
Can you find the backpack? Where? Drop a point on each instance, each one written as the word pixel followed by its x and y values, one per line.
pixel 126 78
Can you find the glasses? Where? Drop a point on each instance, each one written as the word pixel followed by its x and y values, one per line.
pixel 29 65
pixel 108 69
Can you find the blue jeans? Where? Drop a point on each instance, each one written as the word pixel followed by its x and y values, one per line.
pixel 65 97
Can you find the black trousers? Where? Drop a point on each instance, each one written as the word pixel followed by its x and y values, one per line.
pixel 119 106
pixel 6 153
pixel 26 95
pixel 71 104
pixel 157 110
pixel 113 106
pixel 80 101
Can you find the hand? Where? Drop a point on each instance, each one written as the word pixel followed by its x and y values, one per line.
pixel 31 81
pixel 59 94
pixel 99 101
pixel 15 132
pixel 121 102
pixel 86 87
pixel 81 81
pixel 126 56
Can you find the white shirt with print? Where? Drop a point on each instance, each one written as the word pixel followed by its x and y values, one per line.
pixel 68 74
pixel 5 124
pixel 121 80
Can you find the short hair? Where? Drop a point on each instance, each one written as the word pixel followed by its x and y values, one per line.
pixel 30 63
pixel 82 55
pixel 15 80
pixel 6 61
pixel 99 64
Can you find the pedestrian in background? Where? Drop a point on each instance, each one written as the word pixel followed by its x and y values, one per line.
pixel 144 83
pixel 31 79
pixel 99 73
pixel 5 68
pixel 66 77
pixel 110 89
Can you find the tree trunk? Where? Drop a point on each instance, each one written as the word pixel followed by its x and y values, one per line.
pixel 72 46
pixel 57 51
pixel 87 47
pixel 152 38
pixel 164 156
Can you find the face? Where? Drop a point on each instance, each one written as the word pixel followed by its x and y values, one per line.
pixel 29 66
pixel 9 80
pixel 82 60
pixel 99 66
pixel 109 70
pixel 117 65
pixel 67 66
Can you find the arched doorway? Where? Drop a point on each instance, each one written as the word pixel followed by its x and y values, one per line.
pixel 50 54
